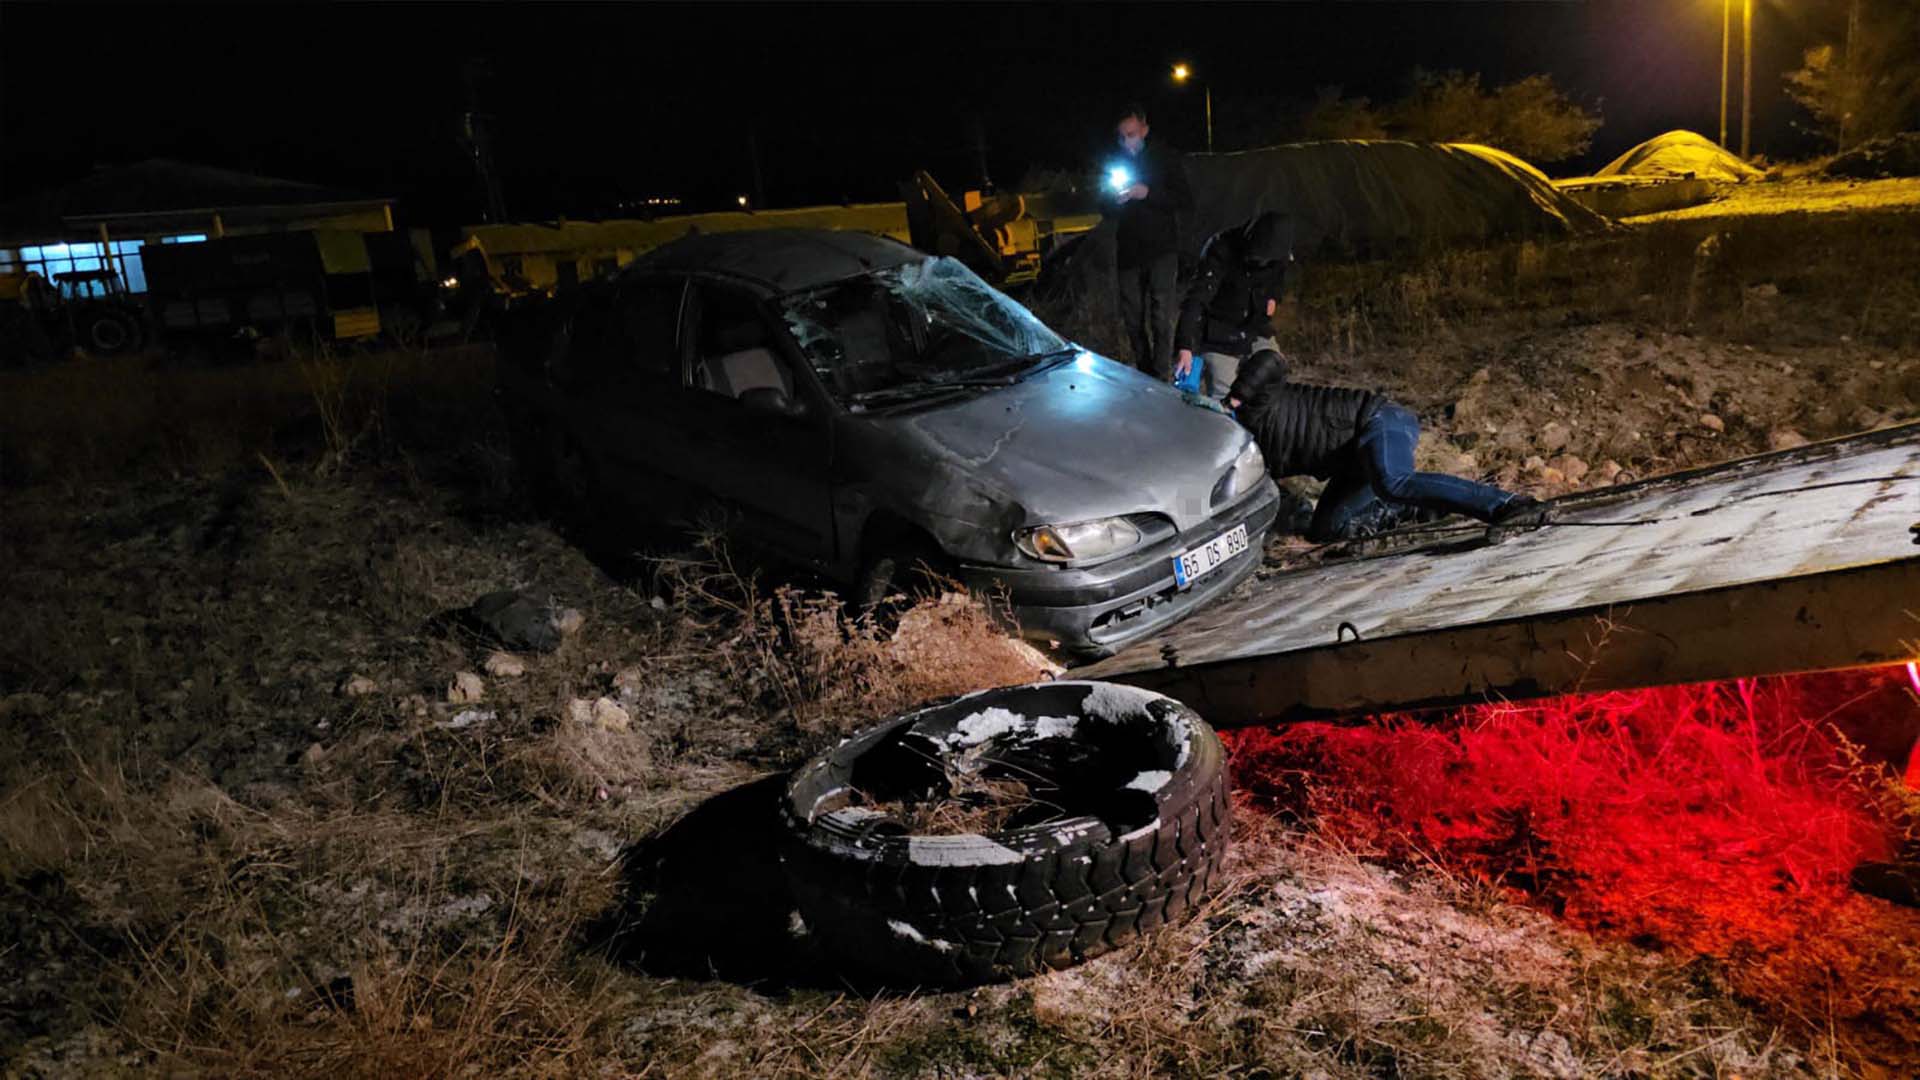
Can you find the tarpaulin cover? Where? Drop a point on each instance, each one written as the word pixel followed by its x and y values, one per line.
pixel 1364 199
pixel 1681 153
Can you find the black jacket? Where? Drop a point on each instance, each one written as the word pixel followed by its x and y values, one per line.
pixel 1150 227
pixel 1241 268
pixel 1308 430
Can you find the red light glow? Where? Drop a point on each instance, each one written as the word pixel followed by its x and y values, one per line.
pixel 1719 819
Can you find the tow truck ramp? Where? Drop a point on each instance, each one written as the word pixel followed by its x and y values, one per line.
pixel 1799 560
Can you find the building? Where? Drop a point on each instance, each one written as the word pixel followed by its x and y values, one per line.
pixel 104 220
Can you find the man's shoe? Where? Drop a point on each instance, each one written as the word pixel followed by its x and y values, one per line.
pixel 1523 511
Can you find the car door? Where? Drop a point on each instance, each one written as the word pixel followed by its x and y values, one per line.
pixel 769 467
pixel 621 371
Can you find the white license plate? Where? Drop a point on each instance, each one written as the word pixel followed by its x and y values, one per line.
pixel 1189 566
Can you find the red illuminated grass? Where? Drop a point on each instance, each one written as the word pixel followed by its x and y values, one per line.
pixel 1719 819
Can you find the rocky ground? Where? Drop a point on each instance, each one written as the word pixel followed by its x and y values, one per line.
pixel 266 808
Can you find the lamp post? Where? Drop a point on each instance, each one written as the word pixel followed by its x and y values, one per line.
pixel 1746 70
pixel 1727 35
pixel 1181 73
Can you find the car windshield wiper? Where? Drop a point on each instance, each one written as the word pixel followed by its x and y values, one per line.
pixel 909 392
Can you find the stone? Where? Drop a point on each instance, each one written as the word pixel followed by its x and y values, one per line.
pixel 608 715
pixel 466 688
pixel 1712 423
pixel 314 754
pixel 1784 438
pixel 505 665
pixel 629 680
pixel 1553 437
pixel 1573 468
pixel 1608 472
pixel 516 620
pixel 358 686
pixel 568 621
pixel 1534 464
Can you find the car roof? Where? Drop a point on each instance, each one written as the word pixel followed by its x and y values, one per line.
pixel 780 260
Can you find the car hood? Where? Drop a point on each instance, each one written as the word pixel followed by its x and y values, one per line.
pixel 1089 438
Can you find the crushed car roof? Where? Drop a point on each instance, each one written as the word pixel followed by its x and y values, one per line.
pixel 782 260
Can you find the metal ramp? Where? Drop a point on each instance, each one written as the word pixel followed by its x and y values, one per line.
pixel 1793 561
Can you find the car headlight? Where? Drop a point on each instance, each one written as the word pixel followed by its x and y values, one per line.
pixel 1078 541
pixel 1246 473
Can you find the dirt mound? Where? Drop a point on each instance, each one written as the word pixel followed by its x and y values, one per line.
pixel 1681 154
pixel 1896 155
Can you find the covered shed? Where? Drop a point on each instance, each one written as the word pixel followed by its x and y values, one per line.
pixel 103 220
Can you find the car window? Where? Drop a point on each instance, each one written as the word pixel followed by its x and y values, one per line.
pixel 623 340
pixel 735 347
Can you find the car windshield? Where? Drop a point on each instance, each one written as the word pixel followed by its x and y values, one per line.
pixel 919 330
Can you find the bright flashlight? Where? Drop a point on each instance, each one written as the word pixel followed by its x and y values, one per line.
pixel 1120 178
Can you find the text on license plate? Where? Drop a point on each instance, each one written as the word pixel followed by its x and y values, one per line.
pixel 1208 557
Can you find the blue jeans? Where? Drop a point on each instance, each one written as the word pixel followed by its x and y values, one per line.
pixel 1381 470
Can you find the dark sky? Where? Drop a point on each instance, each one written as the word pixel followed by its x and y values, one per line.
pixel 598 102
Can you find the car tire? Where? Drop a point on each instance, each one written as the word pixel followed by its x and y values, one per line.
pixel 1143 846
pixel 897 569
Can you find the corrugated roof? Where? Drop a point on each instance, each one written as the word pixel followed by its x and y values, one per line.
pixel 160 186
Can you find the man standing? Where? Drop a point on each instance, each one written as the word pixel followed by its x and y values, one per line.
pixel 1150 185
pixel 1227 314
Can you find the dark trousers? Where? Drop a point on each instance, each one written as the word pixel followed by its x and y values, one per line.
pixel 1147 309
pixel 1381 470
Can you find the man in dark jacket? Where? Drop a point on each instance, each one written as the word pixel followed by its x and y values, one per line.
pixel 1150 186
pixel 1362 444
pixel 1227 313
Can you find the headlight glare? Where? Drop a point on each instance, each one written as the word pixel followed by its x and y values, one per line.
pixel 1077 541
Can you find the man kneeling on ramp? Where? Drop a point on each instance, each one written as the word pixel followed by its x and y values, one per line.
pixel 1361 443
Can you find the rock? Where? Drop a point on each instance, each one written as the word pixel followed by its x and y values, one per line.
pixel 603 713
pixel 1784 438
pixel 608 715
pixel 1712 423
pixel 658 603
pixel 417 704
pixel 515 620
pixel 1608 472
pixel 313 755
pixel 358 686
pixel 568 621
pixel 1553 437
pixel 1573 468
pixel 505 665
pixel 629 681
pixel 466 688
pixel 1553 477
pixel 1534 464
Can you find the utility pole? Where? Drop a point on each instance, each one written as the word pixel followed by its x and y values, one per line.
pixel 1746 69
pixel 1727 43
pixel 753 153
pixel 1207 89
pixel 1851 98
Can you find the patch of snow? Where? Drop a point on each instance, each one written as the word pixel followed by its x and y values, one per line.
pixel 908 931
pixel 1141 831
pixel 1055 727
pixel 987 724
pixel 965 850
pixel 1115 702
pixel 796 924
pixel 466 718
pixel 1152 780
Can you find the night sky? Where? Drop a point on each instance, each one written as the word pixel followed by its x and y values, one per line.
pixel 598 103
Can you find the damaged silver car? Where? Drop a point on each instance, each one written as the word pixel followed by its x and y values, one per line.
pixel 859 407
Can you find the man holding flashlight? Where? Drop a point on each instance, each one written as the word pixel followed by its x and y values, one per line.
pixel 1149 186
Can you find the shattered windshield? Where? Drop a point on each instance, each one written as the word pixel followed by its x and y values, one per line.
pixel 919 330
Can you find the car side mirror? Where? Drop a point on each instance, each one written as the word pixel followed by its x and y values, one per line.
pixel 770 401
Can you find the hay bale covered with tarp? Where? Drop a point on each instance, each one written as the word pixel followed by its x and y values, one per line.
pixel 1682 154
pixel 1350 199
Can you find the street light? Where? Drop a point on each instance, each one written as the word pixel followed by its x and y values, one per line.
pixel 1746 70
pixel 1181 73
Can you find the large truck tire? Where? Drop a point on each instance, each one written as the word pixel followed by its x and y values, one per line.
pixel 106 330
pixel 1128 834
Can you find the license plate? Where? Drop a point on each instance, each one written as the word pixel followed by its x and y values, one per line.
pixel 1190 566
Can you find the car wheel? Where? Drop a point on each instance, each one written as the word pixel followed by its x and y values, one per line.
pixel 1126 830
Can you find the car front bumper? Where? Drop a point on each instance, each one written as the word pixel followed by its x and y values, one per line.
pixel 1098 610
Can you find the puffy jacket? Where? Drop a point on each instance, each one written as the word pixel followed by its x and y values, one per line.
pixel 1307 430
pixel 1150 227
pixel 1225 307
